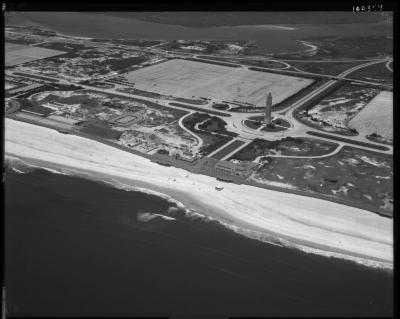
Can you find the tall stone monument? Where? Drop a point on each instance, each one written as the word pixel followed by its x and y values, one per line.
pixel 268 109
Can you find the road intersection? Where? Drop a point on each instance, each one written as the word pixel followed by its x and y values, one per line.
pixel 235 122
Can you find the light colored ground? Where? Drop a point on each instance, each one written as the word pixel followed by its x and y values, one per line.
pixel 189 78
pixel 376 116
pixel 17 53
pixel 8 85
pixel 307 222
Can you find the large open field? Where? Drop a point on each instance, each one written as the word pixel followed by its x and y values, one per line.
pixel 376 116
pixel 17 53
pixel 189 78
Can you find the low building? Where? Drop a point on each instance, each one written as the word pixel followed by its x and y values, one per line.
pixel 227 168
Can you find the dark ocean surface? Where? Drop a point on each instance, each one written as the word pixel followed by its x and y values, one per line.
pixel 78 247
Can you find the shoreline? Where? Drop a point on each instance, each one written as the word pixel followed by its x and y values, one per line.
pixel 295 191
pixel 197 209
pixel 331 229
pixel 73 34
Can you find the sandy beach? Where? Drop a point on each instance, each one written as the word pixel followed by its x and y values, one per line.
pixel 310 224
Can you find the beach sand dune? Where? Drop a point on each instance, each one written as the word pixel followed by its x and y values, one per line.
pixel 304 221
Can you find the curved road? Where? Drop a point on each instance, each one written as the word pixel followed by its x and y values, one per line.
pixel 388 65
pixel 235 121
pixel 199 140
pixel 334 152
pixel 326 86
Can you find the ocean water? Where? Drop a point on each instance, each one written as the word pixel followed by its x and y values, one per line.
pixel 79 247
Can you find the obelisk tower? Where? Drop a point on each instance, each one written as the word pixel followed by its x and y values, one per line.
pixel 268 109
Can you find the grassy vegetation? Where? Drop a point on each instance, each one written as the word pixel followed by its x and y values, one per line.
pixel 50 87
pixel 138 43
pixel 328 68
pixel 100 85
pixel 281 122
pixel 374 73
pixel 213 47
pixel 122 64
pixel 289 146
pixel 342 139
pixel 216 125
pixel 262 63
pixel 32 106
pixel 300 94
pixel 140 92
pixel 26 40
pixel 211 141
pixel 334 108
pixel 252 124
pixel 278 124
pixel 379 139
pixel 213 62
pixel 83 99
pixel 220 106
pixel 252 62
pixel 199 109
pixel 286 72
pixel 99 129
pixel 39 77
pixel 191 101
pixel 63 46
pixel 222 140
pixel 272 128
pixel 353 174
pixel 361 47
pixel 230 148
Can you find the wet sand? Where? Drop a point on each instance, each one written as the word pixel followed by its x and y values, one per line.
pixel 310 224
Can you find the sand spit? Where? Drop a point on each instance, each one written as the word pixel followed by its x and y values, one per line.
pixel 306 223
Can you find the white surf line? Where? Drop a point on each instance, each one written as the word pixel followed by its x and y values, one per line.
pixel 317 222
pixel 225 158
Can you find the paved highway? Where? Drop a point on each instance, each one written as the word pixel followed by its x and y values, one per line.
pixel 235 122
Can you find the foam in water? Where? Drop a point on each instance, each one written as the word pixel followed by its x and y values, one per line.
pixel 21 167
pixel 145 217
pixel 193 214
pixel 17 170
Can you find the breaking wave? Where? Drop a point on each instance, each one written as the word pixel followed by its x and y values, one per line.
pixel 145 217
pixel 21 167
